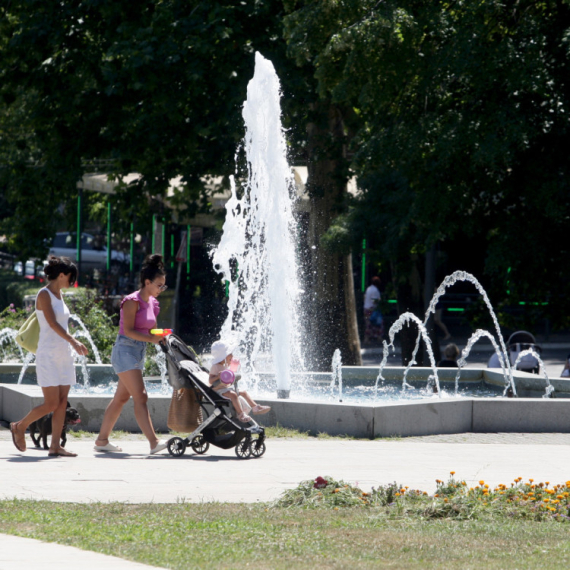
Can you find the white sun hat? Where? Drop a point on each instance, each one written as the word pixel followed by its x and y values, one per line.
pixel 220 350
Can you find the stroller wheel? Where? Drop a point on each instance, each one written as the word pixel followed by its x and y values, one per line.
pixel 243 449
pixel 257 448
pixel 199 445
pixel 176 446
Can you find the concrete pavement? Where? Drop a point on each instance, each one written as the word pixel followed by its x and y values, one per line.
pixel 18 553
pixel 135 477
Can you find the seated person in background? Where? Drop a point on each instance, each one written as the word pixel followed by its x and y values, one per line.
pixel 450 356
pixel 221 359
pixel 566 370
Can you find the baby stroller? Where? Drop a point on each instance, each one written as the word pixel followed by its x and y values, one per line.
pixel 517 342
pixel 220 426
pixel 523 340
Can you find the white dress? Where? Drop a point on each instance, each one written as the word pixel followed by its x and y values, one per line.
pixel 54 359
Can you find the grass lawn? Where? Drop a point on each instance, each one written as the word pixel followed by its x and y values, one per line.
pixel 332 526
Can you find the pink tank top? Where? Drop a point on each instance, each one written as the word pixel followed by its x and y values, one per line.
pixel 145 317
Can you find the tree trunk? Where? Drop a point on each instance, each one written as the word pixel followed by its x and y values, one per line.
pixel 331 321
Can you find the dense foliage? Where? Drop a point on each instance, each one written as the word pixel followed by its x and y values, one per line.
pixel 453 116
pixel 460 130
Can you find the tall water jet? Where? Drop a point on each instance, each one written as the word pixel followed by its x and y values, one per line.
pixel 256 254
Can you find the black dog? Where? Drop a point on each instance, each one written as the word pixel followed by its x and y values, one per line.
pixel 43 427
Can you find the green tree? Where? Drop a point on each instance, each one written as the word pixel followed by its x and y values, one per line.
pixel 461 112
pixel 158 90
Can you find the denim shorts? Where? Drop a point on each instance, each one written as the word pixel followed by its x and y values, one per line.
pixel 128 354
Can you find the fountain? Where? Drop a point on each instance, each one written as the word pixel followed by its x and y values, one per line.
pixel 258 237
pixel 256 256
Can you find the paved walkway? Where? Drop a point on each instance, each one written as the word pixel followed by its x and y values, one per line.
pixel 135 477
pixel 17 553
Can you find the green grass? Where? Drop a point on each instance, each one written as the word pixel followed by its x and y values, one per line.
pixel 337 526
pixel 271 432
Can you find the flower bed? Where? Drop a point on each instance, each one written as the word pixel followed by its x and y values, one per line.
pixel 453 499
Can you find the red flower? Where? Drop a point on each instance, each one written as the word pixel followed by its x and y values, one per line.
pixel 320 483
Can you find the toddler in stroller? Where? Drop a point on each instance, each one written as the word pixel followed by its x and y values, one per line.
pixel 221 358
pixel 217 423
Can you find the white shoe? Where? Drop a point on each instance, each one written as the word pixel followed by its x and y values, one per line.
pixel 108 447
pixel 159 447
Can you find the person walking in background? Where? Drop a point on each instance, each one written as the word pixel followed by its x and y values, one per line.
pixel 139 311
pixel 55 368
pixel 374 328
pixel 437 320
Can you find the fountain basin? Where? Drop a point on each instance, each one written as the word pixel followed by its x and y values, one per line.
pixel 399 418
pixel 414 418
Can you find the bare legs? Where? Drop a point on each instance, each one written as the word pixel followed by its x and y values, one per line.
pixel 131 384
pixel 248 399
pixel 234 399
pixel 437 320
pixel 55 400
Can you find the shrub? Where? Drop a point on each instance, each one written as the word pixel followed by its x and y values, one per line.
pixel 97 322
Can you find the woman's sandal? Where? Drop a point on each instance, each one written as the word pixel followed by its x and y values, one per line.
pixel 17 443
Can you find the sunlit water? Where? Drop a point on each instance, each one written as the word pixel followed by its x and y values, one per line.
pixel 256 254
pixel 324 392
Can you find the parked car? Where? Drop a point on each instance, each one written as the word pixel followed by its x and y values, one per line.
pixel 93 251
pixel 30 270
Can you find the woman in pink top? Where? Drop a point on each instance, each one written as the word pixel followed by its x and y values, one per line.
pixel 138 316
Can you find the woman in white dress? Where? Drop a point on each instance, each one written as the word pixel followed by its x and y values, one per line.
pixel 54 361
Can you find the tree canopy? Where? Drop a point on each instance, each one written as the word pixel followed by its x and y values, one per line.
pixel 455 114
pixel 461 126
pixel 155 90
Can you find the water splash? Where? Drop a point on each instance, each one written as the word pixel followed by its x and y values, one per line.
pixel 8 335
pixel 258 241
pixel 161 363
pixel 406 318
pixel 27 360
pixel 477 335
pixel 448 282
pixel 549 388
pixel 85 333
pixel 336 376
pixel 83 364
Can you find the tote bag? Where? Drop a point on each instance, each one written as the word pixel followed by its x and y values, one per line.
pixel 29 334
pixel 184 413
